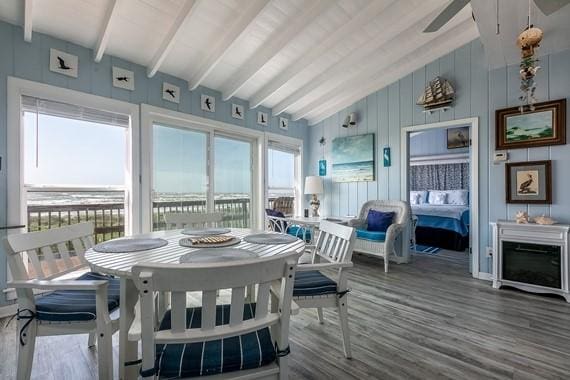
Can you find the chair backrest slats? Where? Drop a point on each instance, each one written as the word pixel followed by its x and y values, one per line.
pixel 49 257
pixel 209 309
pixel 236 310
pixel 263 293
pixel 64 253
pixel 178 313
pixel 192 220
pixel 47 251
pixel 335 242
pixel 35 261
pixel 179 279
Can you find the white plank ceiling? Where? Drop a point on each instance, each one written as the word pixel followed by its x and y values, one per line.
pixel 308 58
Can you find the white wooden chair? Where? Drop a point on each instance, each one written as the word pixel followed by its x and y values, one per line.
pixel 39 261
pixel 180 220
pixel 333 251
pixel 241 340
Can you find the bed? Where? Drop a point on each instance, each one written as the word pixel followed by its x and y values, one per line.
pixel 442 225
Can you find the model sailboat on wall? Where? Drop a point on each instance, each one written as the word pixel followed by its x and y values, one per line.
pixel 438 94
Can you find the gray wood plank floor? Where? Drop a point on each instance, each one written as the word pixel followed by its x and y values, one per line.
pixel 425 320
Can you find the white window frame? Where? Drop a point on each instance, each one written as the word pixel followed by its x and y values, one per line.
pixel 15 155
pixel 151 115
pixel 290 144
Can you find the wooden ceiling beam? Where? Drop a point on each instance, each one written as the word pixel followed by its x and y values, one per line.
pixel 364 17
pixel 170 38
pixel 105 33
pixel 274 44
pixel 28 19
pixel 397 19
pixel 226 41
pixel 452 39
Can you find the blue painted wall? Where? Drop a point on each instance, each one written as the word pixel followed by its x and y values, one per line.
pixel 432 142
pixel 479 93
pixel 31 61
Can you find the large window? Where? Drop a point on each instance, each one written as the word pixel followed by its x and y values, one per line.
pixel 75 166
pixel 232 180
pixel 181 172
pixel 180 175
pixel 282 178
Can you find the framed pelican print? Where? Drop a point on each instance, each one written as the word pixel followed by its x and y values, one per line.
pixel 529 182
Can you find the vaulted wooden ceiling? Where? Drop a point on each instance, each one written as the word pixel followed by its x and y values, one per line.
pixel 308 58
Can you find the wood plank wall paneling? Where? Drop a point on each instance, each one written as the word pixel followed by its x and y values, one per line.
pixel 31 61
pixel 479 93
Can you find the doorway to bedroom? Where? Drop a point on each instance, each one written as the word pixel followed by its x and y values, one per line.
pixel 439 174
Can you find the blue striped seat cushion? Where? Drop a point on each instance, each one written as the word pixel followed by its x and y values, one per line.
pixel 76 305
pixel 313 283
pixel 371 235
pixel 298 231
pixel 246 351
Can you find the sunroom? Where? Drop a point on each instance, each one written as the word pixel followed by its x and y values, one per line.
pixel 284 189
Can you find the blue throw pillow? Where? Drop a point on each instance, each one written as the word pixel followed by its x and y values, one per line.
pixel 277 214
pixel 379 221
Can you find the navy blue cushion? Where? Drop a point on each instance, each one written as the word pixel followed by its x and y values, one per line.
pixel 76 305
pixel 299 232
pixel 277 214
pixel 252 350
pixel 371 235
pixel 313 283
pixel 379 221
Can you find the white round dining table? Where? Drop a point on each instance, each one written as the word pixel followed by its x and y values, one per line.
pixel 121 264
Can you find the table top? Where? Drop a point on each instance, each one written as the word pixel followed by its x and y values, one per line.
pixel 120 264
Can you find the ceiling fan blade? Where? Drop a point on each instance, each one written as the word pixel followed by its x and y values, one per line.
pixel 447 14
pixel 550 6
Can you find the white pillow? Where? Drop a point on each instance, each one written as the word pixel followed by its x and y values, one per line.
pixel 437 198
pixel 420 196
pixel 414 198
pixel 458 197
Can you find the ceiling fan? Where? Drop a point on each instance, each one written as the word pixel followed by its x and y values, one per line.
pixel 546 6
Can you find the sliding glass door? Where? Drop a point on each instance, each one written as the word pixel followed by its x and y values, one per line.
pixel 180 172
pixel 233 180
pixel 184 160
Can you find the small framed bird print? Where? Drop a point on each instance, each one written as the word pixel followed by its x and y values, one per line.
pixel 63 63
pixel 283 123
pixel 170 92
pixel 123 78
pixel 208 103
pixel 263 118
pixel 237 111
pixel 529 182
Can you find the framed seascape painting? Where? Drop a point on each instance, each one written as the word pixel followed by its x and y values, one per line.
pixel 529 182
pixel 544 126
pixel 353 158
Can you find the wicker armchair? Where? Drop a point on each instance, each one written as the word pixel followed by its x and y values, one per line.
pixel 395 245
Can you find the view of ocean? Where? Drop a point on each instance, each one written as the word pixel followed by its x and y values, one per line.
pixel 353 171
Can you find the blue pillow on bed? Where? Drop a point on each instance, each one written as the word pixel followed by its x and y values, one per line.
pixel 379 221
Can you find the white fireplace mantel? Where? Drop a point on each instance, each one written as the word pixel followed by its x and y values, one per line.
pixel 531 233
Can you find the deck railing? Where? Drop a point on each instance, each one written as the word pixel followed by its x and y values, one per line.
pixel 109 218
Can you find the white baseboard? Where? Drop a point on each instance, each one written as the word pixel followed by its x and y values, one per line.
pixel 485 276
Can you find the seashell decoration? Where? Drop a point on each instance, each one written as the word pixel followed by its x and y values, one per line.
pixel 521 217
pixel 544 220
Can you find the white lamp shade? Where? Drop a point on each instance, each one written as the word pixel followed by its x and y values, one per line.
pixel 313 185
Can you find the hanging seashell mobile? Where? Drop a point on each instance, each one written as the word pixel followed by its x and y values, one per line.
pixel 528 41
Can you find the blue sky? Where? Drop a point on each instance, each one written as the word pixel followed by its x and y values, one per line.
pixel 72 152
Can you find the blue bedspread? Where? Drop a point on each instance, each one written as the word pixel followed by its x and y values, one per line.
pixel 454 218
